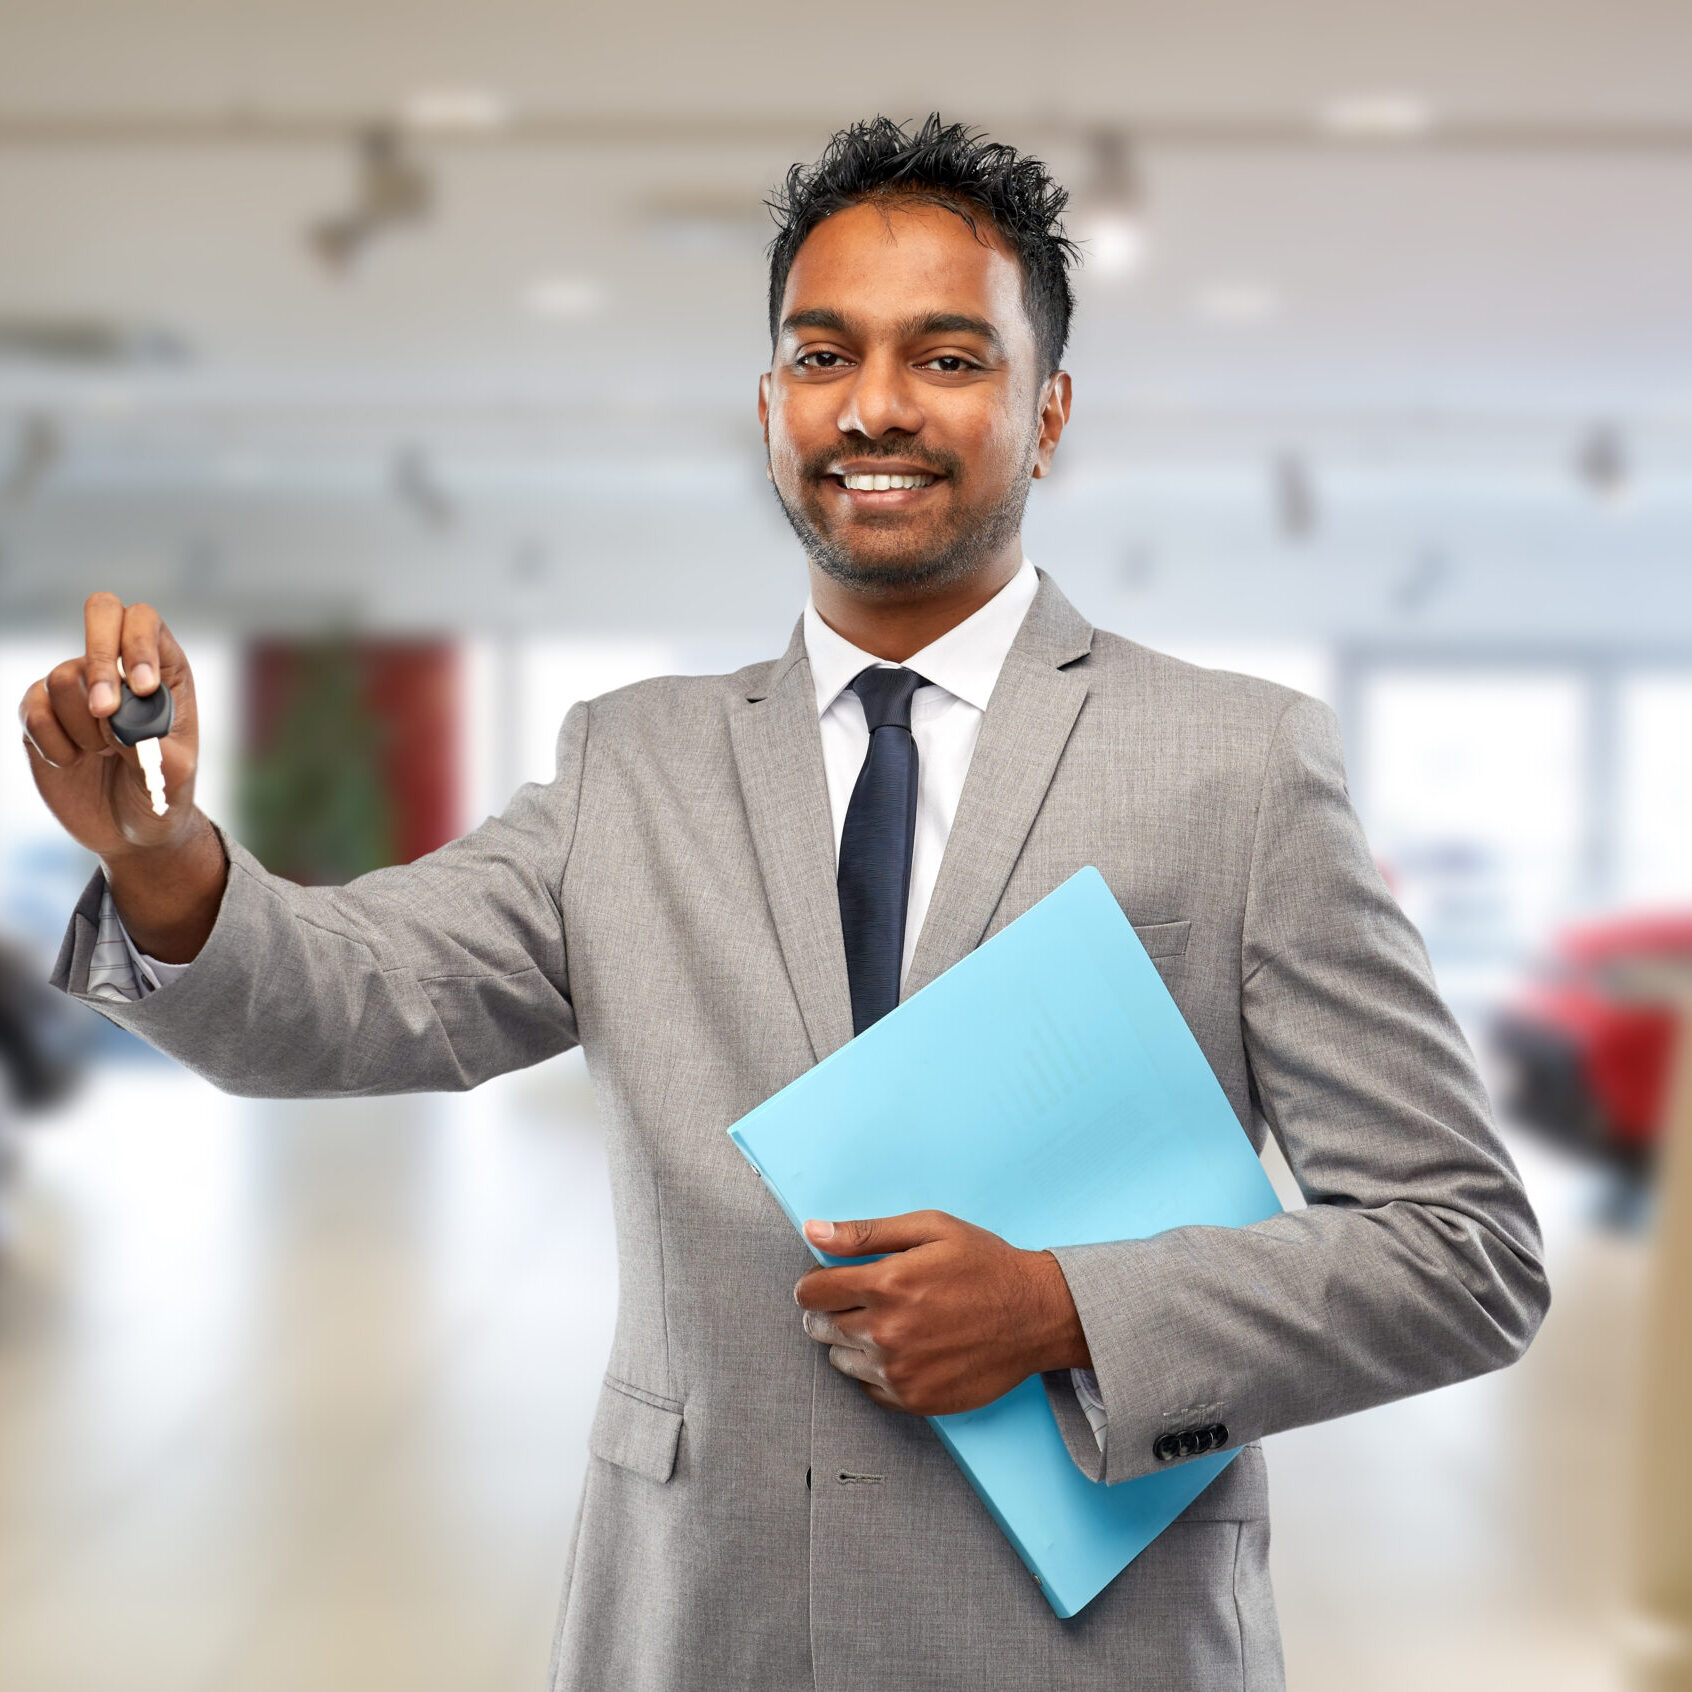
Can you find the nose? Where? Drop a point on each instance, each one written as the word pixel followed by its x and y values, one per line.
pixel 881 399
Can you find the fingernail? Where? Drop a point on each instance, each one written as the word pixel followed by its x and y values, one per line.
pixel 102 696
pixel 820 1231
pixel 143 678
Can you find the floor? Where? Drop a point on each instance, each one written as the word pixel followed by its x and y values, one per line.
pixel 297 1397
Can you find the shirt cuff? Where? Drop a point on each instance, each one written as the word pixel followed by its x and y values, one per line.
pixel 1088 1396
pixel 119 971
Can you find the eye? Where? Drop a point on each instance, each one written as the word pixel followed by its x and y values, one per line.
pixel 822 359
pixel 951 364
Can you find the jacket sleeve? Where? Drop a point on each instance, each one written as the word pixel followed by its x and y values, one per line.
pixel 1417 1260
pixel 432 976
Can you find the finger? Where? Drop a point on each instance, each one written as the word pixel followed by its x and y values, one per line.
pixel 69 699
pixel 882 1233
pixel 834 1289
pixel 173 661
pixel 857 1364
pixel 141 648
pixel 42 733
pixel 102 625
pixel 831 1330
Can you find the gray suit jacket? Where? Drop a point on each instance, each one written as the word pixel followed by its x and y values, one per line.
pixel 750 1518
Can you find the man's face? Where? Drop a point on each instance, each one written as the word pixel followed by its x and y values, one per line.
pixel 904 411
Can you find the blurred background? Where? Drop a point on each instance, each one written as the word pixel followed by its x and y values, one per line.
pixel 405 356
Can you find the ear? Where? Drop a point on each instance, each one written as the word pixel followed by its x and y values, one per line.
pixel 1054 415
pixel 764 405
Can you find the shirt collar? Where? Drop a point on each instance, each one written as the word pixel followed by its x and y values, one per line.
pixel 965 660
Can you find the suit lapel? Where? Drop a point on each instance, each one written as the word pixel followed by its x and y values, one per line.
pixel 778 755
pixel 1023 734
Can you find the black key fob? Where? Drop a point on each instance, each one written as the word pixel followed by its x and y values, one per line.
pixel 143 719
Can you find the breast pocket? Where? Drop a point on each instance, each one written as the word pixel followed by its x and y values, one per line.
pixel 637 1430
pixel 1165 942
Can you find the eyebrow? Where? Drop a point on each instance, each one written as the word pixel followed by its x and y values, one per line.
pixel 913 328
pixel 817 317
pixel 951 323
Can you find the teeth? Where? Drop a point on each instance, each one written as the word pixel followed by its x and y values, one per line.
pixel 884 483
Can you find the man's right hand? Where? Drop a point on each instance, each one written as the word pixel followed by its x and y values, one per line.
pixel 167 873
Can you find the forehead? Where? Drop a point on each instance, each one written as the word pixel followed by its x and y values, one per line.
pixel 880 264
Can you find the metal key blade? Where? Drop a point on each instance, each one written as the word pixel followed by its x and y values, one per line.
pixel 152 770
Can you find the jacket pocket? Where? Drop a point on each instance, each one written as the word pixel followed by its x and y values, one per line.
pixel 1164 939
pixel 636 1429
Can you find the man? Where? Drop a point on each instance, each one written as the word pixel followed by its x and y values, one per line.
pixel 729 875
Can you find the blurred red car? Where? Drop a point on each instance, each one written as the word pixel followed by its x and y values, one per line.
pixel 1588 1043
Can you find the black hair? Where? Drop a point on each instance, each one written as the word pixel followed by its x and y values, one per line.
pixel 943 164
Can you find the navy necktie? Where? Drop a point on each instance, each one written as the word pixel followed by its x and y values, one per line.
pixel 876 843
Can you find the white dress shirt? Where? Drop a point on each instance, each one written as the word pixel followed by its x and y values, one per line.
pixel 961 667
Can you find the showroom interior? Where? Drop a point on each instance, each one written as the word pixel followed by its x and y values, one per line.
pixel 405 356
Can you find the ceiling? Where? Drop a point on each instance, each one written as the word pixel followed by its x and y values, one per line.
pixel 1343 355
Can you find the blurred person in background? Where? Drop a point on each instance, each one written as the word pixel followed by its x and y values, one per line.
pixel 730 876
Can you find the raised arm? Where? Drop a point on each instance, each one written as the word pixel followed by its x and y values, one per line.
pixel 431 976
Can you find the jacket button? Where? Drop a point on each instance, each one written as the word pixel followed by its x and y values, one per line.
pixel 1218 1436
pixel 1167 1449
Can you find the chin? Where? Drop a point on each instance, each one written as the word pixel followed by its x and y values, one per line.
pixel 878 570
pixel 886 558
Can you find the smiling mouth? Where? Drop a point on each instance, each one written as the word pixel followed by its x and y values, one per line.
pixel 881 481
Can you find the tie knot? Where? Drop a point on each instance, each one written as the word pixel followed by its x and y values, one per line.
pixel 887 696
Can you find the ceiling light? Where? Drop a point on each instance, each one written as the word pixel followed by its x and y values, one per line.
pixel 564 298
pixel 1116 244
pixel 1234 304
pixel 1109 218
pixel 1380 115
pixel 456 111
pixel 392 189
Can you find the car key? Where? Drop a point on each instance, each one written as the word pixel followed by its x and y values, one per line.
pixel 143 723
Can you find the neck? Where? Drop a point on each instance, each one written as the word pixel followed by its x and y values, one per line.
pixel 892 625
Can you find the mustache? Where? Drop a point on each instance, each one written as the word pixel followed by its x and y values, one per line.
pixel 818 464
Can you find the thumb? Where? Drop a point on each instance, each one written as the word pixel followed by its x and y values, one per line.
pixel 881 1233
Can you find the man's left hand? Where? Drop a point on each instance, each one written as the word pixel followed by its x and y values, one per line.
pixel 950 1319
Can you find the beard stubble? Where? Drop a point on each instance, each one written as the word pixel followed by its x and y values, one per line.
pixel 971 538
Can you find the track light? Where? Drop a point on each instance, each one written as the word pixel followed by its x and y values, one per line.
pixel 89 342
pixel 1110 218
pixel 40 447
pixel 1295 497
pixel 393 189
pixel 1602 465
pixel 418 487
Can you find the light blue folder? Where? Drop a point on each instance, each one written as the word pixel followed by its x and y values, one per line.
pixel 1046 1088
